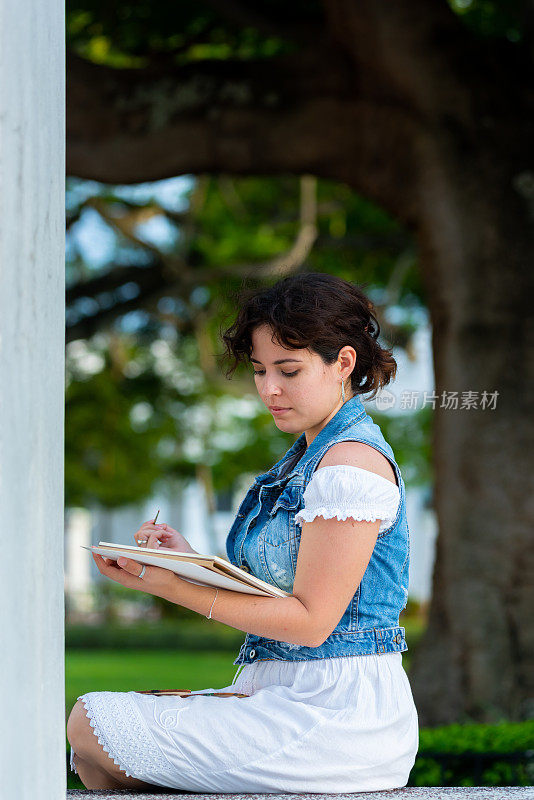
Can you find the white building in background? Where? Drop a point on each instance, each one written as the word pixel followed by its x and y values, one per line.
pixel 423 528
pixel 78 576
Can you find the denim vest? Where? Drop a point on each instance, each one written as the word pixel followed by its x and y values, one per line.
pixel 264 540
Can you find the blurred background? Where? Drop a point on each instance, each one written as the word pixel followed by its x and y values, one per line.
pixel 215 143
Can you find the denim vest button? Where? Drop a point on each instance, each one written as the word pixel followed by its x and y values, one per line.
pixel 252 653
pixel 398 638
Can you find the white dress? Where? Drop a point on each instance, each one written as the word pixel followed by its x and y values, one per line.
pixel 332 725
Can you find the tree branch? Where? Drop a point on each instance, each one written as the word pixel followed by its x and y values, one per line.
pixel 387 76
pixel 288 115
pixel 170 275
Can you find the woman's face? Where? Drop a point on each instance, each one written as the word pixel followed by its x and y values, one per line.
pixel 308 388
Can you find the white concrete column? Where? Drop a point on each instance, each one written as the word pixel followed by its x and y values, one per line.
pixel 32 378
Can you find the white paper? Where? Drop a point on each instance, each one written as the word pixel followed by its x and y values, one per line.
pixel 185 569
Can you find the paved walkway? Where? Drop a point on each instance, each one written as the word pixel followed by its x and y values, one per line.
pixel 407 793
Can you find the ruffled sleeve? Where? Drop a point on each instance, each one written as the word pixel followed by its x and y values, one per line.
pixel 343 491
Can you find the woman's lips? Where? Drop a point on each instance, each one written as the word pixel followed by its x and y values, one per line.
pixel 275 410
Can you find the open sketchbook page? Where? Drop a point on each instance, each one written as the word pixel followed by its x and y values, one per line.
pixel 203 575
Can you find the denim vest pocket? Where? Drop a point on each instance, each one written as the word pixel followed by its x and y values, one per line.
pixel 246 513
pixel 279 540
pixel 281 525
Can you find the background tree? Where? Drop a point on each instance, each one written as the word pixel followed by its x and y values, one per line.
pixel 425 109
pixel 147 367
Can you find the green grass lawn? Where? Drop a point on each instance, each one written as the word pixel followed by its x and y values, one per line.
pixel 109 670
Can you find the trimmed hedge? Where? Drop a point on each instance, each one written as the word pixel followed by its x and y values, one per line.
pixel 194 634
pixel 197 635
pixel 475 755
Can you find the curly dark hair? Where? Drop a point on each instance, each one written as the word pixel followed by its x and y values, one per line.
pixel 318 311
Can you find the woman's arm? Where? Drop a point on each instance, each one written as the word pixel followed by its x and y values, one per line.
pixel 333 556
pixel 284 619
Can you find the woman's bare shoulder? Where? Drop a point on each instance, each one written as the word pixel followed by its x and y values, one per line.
pixel 358 454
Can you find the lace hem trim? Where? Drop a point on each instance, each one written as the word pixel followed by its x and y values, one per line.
pixel 307 515
pixel 72 764
pixel 123 729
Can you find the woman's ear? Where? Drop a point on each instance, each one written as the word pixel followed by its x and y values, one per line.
pixel 347 360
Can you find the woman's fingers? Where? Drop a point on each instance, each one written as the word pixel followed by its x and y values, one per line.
pixel 145 531
pixel 152 539
pixel 151 536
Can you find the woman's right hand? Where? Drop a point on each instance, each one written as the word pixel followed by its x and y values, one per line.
pixel 162 535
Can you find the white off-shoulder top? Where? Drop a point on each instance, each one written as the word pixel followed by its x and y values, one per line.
pixel 343 491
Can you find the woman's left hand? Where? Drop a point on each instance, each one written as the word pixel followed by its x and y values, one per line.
pixel 156 580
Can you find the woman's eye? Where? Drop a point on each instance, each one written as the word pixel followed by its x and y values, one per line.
pixel 286 374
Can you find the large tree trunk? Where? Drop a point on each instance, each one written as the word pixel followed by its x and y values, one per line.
pixel 472 192
pixel 400 101
pixel 476 660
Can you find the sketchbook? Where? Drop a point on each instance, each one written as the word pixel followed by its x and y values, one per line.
pixel 204 570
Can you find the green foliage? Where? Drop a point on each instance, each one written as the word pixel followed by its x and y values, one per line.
pixel 493 18
pixel 243 220
pixel 127 34
pixel 504 737
pixel 123 425
pixel 448 755
pixel 139 406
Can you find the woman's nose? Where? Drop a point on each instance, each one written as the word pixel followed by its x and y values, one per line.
pixel 270 387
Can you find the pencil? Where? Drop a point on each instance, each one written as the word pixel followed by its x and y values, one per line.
pixel 155 518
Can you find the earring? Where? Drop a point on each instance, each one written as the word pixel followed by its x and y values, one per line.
pixel 342 391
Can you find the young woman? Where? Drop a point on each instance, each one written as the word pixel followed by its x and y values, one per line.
pixel 330 707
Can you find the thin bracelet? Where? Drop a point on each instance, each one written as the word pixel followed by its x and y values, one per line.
pixel 211 609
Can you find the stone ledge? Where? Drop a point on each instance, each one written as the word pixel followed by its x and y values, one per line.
pixel 406 793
